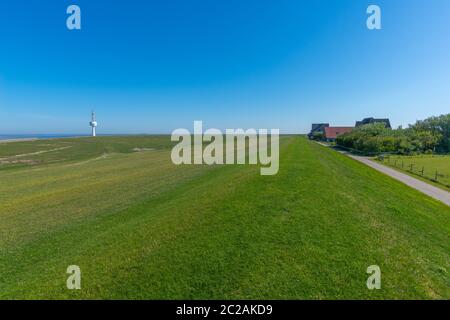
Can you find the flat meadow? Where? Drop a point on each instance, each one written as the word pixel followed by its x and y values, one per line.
pixel 434 168
pixel 140 227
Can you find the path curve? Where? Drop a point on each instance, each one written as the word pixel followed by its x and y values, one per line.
pixel 417 184
pixel 428 189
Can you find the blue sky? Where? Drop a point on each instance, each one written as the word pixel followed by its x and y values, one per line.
pixel 154 66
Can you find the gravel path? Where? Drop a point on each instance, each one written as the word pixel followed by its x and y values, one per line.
pixel 428 189
pixel 417 184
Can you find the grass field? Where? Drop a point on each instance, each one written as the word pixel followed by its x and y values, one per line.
pixel 436 168
pixel 140 227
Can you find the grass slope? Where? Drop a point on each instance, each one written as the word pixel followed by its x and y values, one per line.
pixel 140 227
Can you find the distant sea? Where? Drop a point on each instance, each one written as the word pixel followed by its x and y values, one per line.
pixel 39 136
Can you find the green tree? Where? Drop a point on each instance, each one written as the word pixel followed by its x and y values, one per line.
pixel 439 127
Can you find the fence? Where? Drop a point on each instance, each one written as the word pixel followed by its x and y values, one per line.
pixel 421 170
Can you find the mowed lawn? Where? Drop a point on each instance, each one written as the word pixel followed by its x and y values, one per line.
pixel 140 227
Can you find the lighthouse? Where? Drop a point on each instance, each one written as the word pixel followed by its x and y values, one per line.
pixel 93 123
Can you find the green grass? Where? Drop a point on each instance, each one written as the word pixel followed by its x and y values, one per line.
pixel 41 152
pixel 140 227
pixel 429 163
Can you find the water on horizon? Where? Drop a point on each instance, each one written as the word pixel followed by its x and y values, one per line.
pixel 39 136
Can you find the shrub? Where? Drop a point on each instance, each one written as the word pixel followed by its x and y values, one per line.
pixel 427 136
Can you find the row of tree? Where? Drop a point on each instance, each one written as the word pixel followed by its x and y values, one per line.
pixel 431 135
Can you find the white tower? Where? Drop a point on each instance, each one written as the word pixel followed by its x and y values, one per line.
pixel 93 123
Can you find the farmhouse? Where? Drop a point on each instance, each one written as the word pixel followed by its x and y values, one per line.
pixel 317 128
pixel 364 121
pixel 323 131
pixel 331 133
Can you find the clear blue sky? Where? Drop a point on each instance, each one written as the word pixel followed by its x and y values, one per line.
pixel 153 66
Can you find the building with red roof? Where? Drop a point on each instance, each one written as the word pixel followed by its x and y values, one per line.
pixel 331 133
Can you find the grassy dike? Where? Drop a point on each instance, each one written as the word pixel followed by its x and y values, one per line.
pixel 140 227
